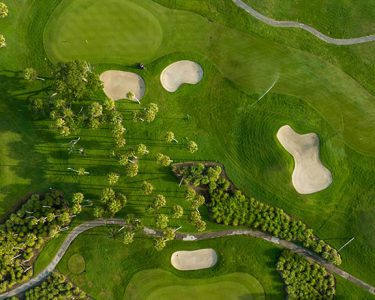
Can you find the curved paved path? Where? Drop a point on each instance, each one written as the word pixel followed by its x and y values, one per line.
pixel 185 237
pixel 312 30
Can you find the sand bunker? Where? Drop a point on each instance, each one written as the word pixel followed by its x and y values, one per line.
pixel 117 84
pixel 194 260
pixel 180 72
pixel 309 174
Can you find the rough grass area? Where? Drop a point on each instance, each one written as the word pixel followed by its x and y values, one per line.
pixel 118 264
pixel 157 284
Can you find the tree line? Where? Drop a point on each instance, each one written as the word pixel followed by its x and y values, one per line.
pixel 24 233
pixel 304 279
pixel 230 206
pixel 56 286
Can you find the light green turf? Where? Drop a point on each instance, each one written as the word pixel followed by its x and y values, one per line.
pixel 250 62
pixel 132 30
pixel 158 284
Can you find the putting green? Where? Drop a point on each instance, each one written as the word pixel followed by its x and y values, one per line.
pixel 102 30
pixel 127 31
pixel 158 284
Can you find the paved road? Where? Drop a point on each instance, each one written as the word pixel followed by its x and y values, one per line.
pixel 312 30
pixel 185 237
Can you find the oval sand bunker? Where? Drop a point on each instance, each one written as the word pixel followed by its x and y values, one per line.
pixel 180 72
pixel 194 260
pixel 309 174
pixel 117 84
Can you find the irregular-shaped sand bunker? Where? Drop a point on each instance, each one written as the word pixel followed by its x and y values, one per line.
pixel 194 260
pixel 117 84
pixel 309 174
pixel 180 72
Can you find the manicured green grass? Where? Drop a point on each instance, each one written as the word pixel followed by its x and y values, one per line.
pixel 118 263
pixel 339 19
pixel 76 264
pixel 238 65
pixel 158 284
pixel 249 62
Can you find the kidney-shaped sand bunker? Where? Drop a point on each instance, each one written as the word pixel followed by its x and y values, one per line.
pixel 309 174
pixel 179 73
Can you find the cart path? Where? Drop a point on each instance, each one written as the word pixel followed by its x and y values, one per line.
pixel 312 30
pixel 185 237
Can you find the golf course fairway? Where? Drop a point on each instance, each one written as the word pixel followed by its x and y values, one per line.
pixel 148 31
pixel 159 284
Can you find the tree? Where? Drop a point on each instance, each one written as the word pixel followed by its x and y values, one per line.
pixel 142 150
pixel 190 194
pixel 128 237
pixel 162 221
pixel 113 178
pixel 131 170
pixel 148 114
pixel 74 80
pixel 169 233
pixel 78 198
pixel 30 74
pixel 159 202
pixel 163 160
pixel 169 137
pixel 3 10
pixel 200 225
pixel 159 243
pixel 131 96
pixel 147 188
pixel 198 202
pixel 192 146
pixel 98 212
pixel 178 211
pixel 2 41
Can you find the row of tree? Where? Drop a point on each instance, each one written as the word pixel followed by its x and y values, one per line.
pixel 24 232
pixel 304 279
pixel 56 286
pixel 230 206
pixel 3 14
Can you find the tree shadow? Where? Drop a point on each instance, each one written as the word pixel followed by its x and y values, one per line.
pixel 21 164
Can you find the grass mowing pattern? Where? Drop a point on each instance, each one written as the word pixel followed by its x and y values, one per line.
pixel 240 57
pixel 255 165
pixel 132 30
pixel 159 284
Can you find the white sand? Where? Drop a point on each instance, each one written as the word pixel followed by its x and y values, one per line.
pixel 194 260
pixel 309 174
pixel 180 72
pixel 118 83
